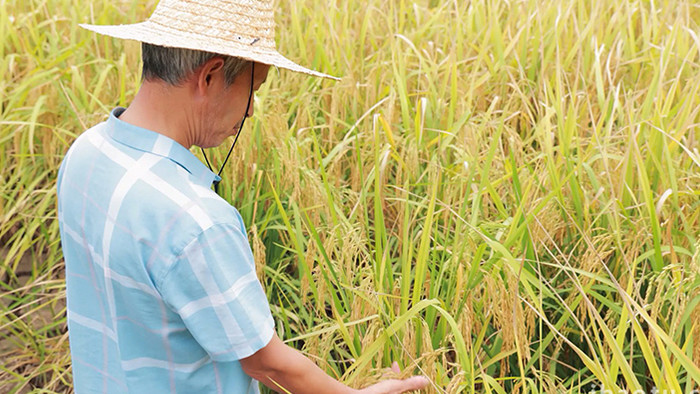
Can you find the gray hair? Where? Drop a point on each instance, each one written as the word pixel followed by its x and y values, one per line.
pixel 174 65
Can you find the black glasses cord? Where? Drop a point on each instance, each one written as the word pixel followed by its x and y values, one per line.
pixel 240 130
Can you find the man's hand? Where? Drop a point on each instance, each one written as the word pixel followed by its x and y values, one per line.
pixel 396 386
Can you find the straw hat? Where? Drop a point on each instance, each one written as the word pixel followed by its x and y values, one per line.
pixel 240 28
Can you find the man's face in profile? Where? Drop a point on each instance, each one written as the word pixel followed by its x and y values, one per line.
pixel 227 104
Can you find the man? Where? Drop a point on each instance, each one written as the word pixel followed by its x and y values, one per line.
pixel 161 286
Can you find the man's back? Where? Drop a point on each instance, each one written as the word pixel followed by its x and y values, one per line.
pixel 162 292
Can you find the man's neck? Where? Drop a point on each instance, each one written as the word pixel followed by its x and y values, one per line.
pixel 158 107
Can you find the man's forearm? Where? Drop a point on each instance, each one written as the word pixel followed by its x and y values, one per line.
pixel 281 368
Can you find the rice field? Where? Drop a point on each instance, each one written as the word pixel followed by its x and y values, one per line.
pixel 502 195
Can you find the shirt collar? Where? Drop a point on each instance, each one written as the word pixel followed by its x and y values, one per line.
pixel 145 140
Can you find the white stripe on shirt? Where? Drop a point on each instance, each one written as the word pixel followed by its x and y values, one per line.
pixel 117 156
pixel 91 324
pixel 147 362
pixel 218 299
pixel 208 283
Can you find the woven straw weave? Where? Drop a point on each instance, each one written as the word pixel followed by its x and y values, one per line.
pixel 241 28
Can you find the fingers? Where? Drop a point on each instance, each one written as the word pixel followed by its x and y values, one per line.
pixel 396 386
pixel 413 383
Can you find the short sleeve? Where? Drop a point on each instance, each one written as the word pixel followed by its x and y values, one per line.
pixel 213 287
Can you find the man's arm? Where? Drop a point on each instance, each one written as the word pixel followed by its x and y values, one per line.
pixel 281 368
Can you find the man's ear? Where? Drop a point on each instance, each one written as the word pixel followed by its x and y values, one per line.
pixel 209 72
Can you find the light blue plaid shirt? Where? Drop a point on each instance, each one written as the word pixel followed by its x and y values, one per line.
pixel 161 285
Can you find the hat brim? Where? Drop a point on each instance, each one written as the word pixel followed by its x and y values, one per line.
pixel 156 34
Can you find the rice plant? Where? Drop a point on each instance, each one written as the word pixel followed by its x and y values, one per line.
pixel 501 195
